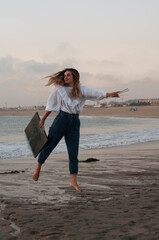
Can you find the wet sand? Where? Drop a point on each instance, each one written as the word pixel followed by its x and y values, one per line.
pixel 142 111
pixel 119 200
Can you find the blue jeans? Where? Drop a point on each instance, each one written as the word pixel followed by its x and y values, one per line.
pixel 68 126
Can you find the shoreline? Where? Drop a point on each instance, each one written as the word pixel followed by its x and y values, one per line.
pixel 119 199
pixel 142 111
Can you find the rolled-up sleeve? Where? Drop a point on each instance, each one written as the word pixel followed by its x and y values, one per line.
pixel 54 101
pixel 93 94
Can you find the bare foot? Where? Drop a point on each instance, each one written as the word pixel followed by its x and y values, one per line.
pixel 76 187
pixel 36 175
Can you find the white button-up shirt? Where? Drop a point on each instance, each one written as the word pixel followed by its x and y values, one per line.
pixel 60 99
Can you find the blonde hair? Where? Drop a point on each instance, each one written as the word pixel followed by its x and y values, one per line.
pixel 58 79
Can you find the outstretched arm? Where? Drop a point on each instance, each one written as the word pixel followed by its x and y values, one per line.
pixel 97 94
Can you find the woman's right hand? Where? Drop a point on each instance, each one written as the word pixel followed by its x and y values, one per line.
pixel 41 123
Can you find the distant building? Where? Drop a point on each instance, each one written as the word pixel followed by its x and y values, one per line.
pixel 153 101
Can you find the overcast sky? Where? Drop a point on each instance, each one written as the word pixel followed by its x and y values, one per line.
pixel 113 43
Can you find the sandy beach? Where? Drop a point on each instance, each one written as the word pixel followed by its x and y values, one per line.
pixel 142 111
pixel 119 199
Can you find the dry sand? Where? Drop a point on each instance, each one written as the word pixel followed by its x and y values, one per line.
pixel 119 200
pixel 144 111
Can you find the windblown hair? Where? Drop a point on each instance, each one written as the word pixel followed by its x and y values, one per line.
pixel 58 79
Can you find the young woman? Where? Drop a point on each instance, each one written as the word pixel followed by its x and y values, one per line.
pixel 67 99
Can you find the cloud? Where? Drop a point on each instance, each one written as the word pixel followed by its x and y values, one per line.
pixel 21 82
pixel 140 88
pixel 8 65
pixel 98 80
pixel 65 49
pixel 63 52
pixel 34 67
pixel 102 65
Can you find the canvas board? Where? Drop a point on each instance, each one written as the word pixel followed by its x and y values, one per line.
pixel 36 136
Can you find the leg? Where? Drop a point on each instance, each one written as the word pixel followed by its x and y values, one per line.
pixel 72 143
pixel 56 132
pixel 44 154
pixel 37 172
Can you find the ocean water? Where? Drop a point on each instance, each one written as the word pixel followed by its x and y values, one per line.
pixel 96 133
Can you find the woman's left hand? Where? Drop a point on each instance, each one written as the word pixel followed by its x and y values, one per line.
pixel 113 94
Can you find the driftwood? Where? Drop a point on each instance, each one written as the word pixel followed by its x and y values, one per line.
pixel 90 160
